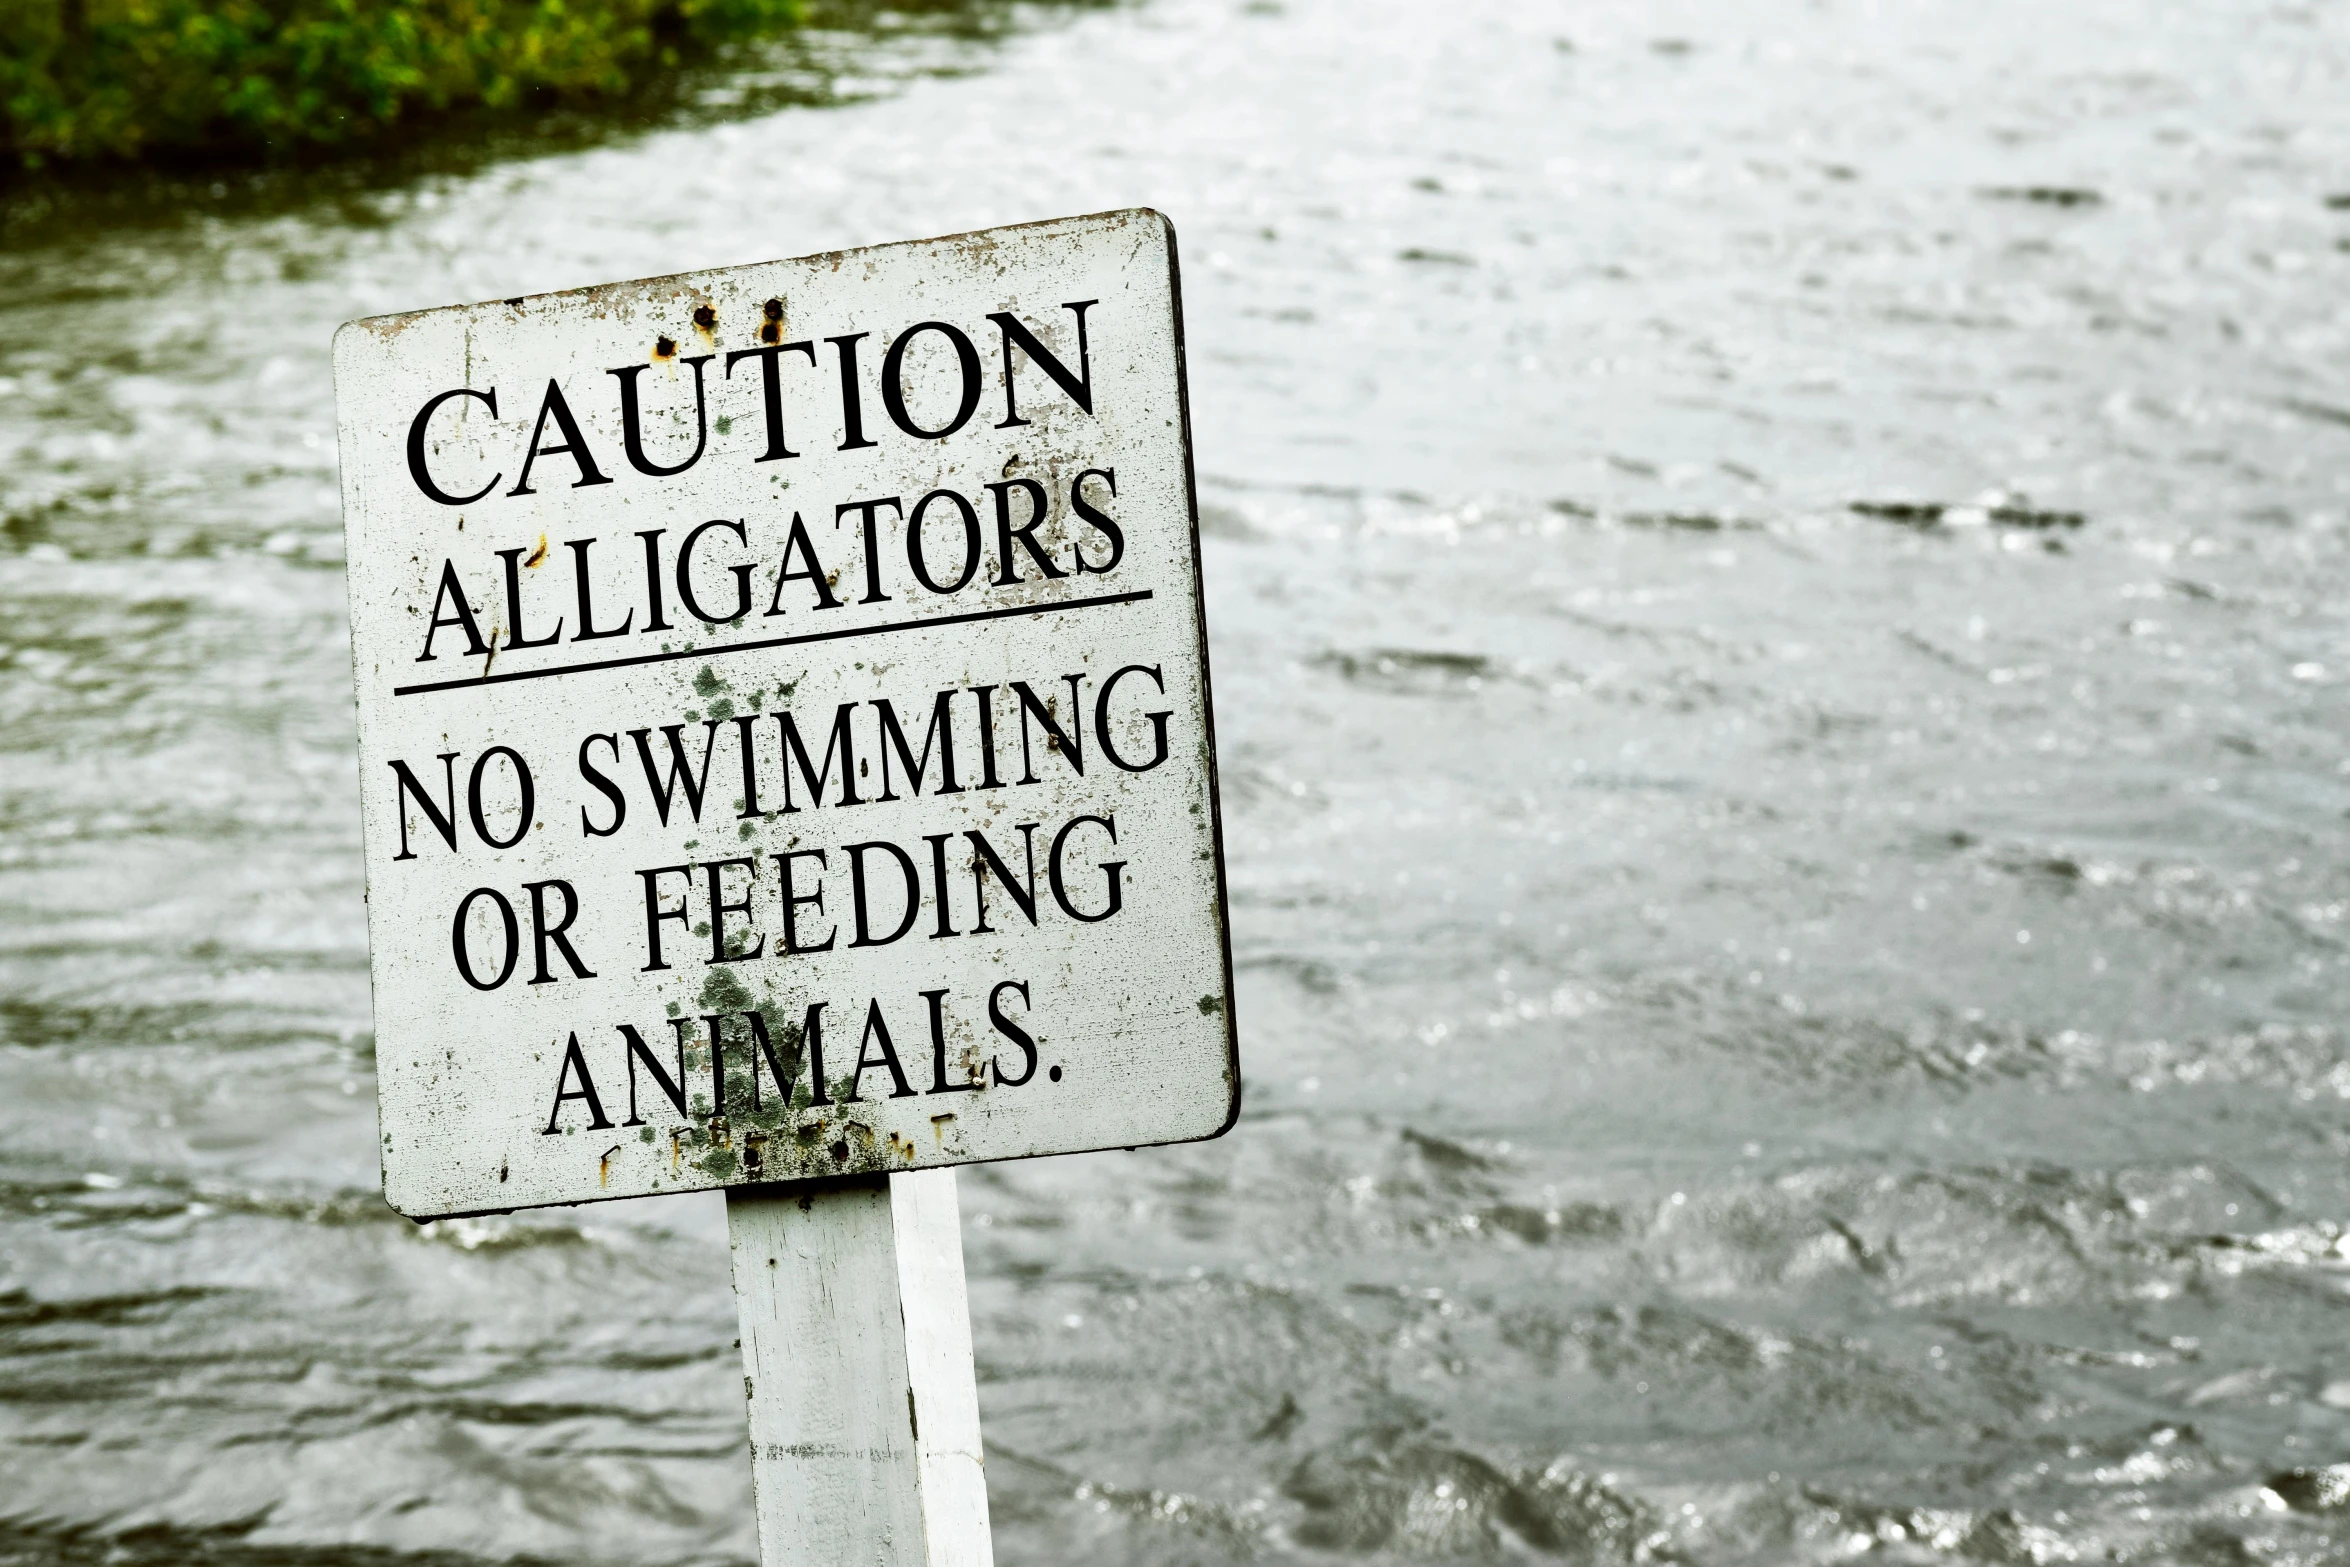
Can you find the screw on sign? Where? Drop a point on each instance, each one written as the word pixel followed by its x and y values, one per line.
pixel 787 767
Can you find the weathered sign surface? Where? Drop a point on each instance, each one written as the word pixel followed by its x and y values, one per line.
pixel 784 724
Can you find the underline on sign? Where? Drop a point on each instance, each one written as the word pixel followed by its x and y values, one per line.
pixel 842 634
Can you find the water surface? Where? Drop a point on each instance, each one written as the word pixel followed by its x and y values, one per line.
pixel 1777 581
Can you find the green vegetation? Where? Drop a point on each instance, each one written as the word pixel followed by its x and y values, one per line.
pixel 83 79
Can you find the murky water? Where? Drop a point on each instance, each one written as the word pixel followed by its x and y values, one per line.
pixel 1777 575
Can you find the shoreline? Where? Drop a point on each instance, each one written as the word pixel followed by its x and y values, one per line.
pixel 99 83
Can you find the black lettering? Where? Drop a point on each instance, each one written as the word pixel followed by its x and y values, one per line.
pixel 1014 331
pixel 983 855
pixel 416 467
pixel 587 631
pixel 987 777
pixel 541 932
pixel 574 445
pixel 877 1031
pixel 1011 1031
pixel 793 899
pixel 811 572
pixel 654 619
pixel 920 564
pixel 525 806
pixel 631 423
pixel 610 790
pixel 742 574
pixel 938 883
pixel 940 734
pixel 459 946
pixel 1158 720
pixel 785 1075
pixel 1007 565
pixel 857 898
pixel 655 914
pixel 453 592
pixel 717 1059
pixel 852 400
pixel 1095 518
pixel 672 1088
pixel 938 1047
pixel 813 1038
pixel 443 817
pixel 750 754
pixel 893 384
pixel 514 636
pixel 1109 870
pixel 575 1066
pixel 771 389
pixel 681 776
pixel 839 742
pixel 873 593
pixel 720 908
pixel 1069 742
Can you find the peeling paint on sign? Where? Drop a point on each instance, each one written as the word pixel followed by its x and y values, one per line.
pixel 785 737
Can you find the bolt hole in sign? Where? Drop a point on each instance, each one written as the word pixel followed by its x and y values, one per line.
pixel 783 722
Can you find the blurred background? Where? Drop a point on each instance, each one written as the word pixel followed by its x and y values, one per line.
pixel 1776 574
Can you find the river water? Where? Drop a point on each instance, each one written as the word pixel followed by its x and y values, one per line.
pixel 1777 575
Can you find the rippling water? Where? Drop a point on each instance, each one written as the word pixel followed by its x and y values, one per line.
pixel 1778 584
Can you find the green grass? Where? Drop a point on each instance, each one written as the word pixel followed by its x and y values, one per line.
pixel 115 79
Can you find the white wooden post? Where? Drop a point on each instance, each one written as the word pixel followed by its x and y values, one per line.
pixel 857 1367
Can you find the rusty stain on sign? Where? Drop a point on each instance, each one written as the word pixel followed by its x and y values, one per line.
pixel 792 744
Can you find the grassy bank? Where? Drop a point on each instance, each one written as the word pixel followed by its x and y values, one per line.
pixel 111 79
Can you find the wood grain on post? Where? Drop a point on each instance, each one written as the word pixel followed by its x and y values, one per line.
pixel 856 1337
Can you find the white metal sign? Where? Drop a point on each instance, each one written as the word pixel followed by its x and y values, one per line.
pixel 784 725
